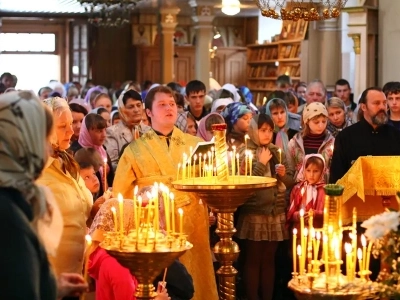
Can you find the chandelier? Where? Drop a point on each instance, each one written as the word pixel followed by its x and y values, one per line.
pixel 109 13
pixel 230 7
pixel 308 10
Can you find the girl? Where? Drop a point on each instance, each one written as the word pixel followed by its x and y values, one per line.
pixel 309 192
pixel 101 111
pixel 313 139
pixel 237 117
pixel 338 118
pixel 103 100
pixel 262 219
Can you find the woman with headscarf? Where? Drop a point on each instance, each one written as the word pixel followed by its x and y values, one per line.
pixel 75 201
pixel 237 118
pixel 27 217
pixel 92 94
pixel 101 111
pixel 130 107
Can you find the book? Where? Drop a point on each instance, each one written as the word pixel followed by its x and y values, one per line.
pixel 201 148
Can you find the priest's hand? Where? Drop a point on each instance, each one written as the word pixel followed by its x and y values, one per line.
pixel 70 285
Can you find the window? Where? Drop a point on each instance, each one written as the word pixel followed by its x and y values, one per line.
pixel 79 66
pixel 28 43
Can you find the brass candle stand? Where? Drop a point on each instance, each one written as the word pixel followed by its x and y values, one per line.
pixel 224 197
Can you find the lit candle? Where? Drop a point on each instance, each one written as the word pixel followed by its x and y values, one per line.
pixel 280 156
pixel 331 149
pixel 105 174
pixel 237 162
pixel 299 255
pixel 304 247
pixel 189 158
pixel 364 248
pixel 347 248
pixel 316 248
pixel 184 167
pixel 233 161
pixel 212 156
pixel 303 200
pixel 294 249
pixel 155 201
pixel 360 257
pixel 86 268
pixel 177 174
pixel 246 137
pixel 337 257
pixel 246 153
pixel 135 217
pixel 180 211
pixel 354 240
pixel 200 155
pixel 139 219
pixel 251 162
pixel 194 165
pixel 368 256
pixel 114 214
pixel 325 255
pixel 121 213
pixel 148 207
pixel 171 196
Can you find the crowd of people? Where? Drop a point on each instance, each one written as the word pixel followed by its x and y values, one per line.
pixel 68 149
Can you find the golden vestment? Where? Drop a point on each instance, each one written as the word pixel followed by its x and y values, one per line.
pixel 369 178
pixel 150 159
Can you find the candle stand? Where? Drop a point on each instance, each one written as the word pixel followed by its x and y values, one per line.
pixel 224 197
pixel 310 283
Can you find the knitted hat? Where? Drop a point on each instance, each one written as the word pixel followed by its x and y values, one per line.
pixel 314 109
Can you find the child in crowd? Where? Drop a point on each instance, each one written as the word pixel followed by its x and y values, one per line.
pixel 309 192
pixel 115 118
pixel 262 218
pixel 237 118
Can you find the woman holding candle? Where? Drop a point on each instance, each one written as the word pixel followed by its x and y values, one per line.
pixel 262 218
pixel 313 139
pixel 75 201
pixel 237 118
pixel 29 214
pixel 113 281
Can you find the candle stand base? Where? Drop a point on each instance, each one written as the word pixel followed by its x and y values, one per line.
pixel 145 266
pixel 224 198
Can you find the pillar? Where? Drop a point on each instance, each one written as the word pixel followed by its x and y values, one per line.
pixel 203 16
pixel 168 25
pixel 330 46
pixel 363 30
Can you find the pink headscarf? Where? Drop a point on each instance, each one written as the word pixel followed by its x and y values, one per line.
pixel 85 140
pixel 202 130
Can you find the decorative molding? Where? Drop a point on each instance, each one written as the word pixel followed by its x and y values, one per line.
pixel 357 42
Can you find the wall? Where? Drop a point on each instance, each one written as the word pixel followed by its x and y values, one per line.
pixel 389 41
pixel 267 28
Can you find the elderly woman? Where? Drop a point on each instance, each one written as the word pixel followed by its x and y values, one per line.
pixel 25 214
pixel 338 118
pixel 75 201
pixel 130 107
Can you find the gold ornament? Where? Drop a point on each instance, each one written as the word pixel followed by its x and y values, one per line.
pixel 335 12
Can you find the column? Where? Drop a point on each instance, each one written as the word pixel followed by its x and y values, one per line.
pixel 363 29
pixel 330 46
pixel 167 49
pixel 203 16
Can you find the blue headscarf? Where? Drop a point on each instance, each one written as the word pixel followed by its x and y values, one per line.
pixel 246 93
pixel 233 111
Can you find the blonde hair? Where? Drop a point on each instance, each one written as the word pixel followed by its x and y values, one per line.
pixel 57 106
pixel 335 102
pixel 306 128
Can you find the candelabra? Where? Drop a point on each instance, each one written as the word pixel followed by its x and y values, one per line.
pixel 309 282
pixel 224 193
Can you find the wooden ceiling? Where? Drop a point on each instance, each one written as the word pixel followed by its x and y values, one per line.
pixel 73 7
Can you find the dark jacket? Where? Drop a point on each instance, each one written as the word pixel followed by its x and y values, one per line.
pixel 25 270
pixel 268 201
pixel 361 139
pixel 179 282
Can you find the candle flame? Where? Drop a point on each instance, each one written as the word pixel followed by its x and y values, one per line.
pixel 305 231
pixel 363 241
pixel 179 166
pixel 359 253
pixel 105 160
pixel 120 198
pixel 148 195
pixel 233 148
pixel 195 157
pixel 318 235
pixel 347 248
pixel 237 155
pixel 294 231
pixel 298 250
pixel 156 185
pixel 135 190
pixel 325 239
pixel 302 191
pixel 88 239
pixel 171 196
pixel 114 210
pixel 180 211
pixel 139 198
pixel 246 137
pixel 279 150
pixel 332 148
pixel 301 213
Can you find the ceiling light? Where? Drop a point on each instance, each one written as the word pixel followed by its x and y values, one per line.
pixel 230 7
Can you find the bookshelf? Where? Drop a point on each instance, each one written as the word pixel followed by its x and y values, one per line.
pixel 267 61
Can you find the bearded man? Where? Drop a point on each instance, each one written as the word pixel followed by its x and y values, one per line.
pixel 371 136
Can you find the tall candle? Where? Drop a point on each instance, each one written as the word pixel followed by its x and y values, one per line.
pixel 245 162
pixel 180 211
pixel 139 218
pixel 304 247
pixel 316 250
pixel 135 190
pixel 368 256
pixel 171 196
pixel 212 156
pixel 148 207
pixel 237 161
pixel 303 200
pixel 360 257
pixel 299 254
pixel 86 268
pixel 194 165
pixel 177 174
pixel 280 156
pixel 246 137
pixel 325 254
pixel 233 160
pixel 347 248
pixel 354 239
pixel 121 213
pixel 294 249
pixel 200 155
pixel 251 162
pixel 364 247
pixel 114 214
pixel 156 211
pixel 105 174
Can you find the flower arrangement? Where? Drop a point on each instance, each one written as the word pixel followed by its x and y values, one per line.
pixel 384 231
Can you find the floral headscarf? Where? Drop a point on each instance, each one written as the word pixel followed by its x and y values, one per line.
pixel 22 146
pixel 232 112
